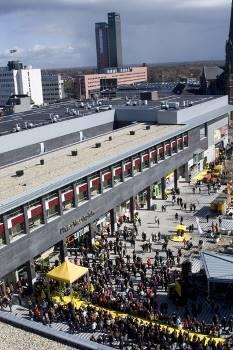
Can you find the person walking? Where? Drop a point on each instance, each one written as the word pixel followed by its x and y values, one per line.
pixel 220 220
pixel 207 218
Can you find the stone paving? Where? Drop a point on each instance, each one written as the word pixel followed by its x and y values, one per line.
pixel 167 225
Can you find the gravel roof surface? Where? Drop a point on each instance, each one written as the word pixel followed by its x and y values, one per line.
pixel 16 339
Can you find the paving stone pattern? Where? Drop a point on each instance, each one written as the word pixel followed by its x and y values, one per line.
pixel 202 201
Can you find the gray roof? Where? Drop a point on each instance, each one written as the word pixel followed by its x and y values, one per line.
pixel 21 199
pixel 211 73
pixel 218 267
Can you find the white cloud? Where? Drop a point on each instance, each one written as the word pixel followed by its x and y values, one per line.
pixel 61 32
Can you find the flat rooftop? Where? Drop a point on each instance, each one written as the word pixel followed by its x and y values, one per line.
pixel 60 163
pixel 41 116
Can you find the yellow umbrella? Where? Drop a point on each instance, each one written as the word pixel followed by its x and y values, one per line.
pixel 181 228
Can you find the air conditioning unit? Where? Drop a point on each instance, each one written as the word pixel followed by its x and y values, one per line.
pixel 132 132
pixel 19 173
pixel 74 153
pixel 98 145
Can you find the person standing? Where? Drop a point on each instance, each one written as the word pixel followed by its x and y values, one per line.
pixel 207 218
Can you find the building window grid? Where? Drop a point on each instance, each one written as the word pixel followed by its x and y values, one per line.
pixel 19 229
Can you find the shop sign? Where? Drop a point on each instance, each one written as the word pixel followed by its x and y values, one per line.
pixel 77 222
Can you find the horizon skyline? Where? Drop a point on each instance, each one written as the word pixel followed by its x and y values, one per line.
pixel 44 51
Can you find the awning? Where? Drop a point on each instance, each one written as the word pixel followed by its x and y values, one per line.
pixel 67 272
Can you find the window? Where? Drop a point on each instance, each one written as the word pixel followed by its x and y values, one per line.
pixel 95 185
pixel 16 224
pixel 52 205
pixel 127 168
pixel 179 143
pixel 67 198
pixel 82 191
pixel 153 156
pixel 35 214
pixel 203 131
pixel 107 178
pixel 2 233
pixel 117 173
pixel 137 164
pixel 167 150
pixel 160 154
pixel 145 160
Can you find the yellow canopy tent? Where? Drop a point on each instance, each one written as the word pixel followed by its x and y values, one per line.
pixel 181 227
pixel 67 272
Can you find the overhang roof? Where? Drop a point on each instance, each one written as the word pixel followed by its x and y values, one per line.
pixel 218 267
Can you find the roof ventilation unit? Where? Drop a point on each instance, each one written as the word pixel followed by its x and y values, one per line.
pixel 74 153
pixel 98 145
pixel 19 173
pixel 132 132
pixel 183 104
pixel 174 105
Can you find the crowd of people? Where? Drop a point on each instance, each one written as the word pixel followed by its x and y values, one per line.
pixel 123 281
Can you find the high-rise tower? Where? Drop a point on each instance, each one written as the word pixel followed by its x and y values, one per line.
pixel 229 60
pixel 229 72
pixel 114 35
pixel 102 47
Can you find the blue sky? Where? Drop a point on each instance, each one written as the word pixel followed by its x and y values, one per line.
pixel 60 33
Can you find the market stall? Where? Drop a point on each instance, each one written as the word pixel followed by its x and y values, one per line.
pixel 67 272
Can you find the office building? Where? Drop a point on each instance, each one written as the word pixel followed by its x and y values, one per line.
pixel 89 85
pixel 52 86
pixel 16 79
pixel 115 43
pixel 102 47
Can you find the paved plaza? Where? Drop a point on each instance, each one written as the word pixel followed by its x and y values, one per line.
pixel 201 199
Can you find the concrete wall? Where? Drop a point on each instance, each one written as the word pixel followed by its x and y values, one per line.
pixel 182 116
pixel 44 133
pixel 136 114
pixel 19 154
pixel 33 244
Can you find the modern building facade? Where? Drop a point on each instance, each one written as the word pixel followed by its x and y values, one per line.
pixel 51 199
pixel 115 42
pixel 102 45
pixel 88 85
pixel 52 86
pixel 16 79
